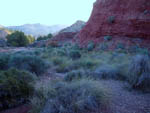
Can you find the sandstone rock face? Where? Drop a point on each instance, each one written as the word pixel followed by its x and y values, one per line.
pixel 117 18
pixel 69 33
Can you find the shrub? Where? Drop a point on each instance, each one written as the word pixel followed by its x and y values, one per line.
pixel 111 19
pixel 87 63
pixel 74 54
pixel 82 96
pixel 49 36
pixel 139 72
pixel 15 88
pixel 142 51
pixel 107 38
pixel 18 39
pixel 103 46
pixel 57 60
pixel 76 75
pixel 107 72
pixel 120 46
pixel 90 46
pixel 31 63
pixel 4 58
pixel 62 68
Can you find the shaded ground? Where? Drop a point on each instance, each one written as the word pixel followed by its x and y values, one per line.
pixel 20 109
pixel 125 101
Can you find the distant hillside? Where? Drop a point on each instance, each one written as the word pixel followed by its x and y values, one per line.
pixel 76 27
pixel 37 29
pixel 4 32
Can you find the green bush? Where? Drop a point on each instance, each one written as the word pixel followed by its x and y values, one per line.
pixel 62 68
pixel 107 72
pixel 57 60
pixel 82 96
pixel 49 36
pixel 87 63
pixel 74 54
pixel 139 72
pixel 15 88
pixel 18 39
pixel 120 46
pixel 90 46
pixel 111 19
pixel 103 46
pixel 4 59
pixel 76 75
pixel 107 38
pixel 31 63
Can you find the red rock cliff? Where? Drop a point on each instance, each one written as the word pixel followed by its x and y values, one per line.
pixel 121 18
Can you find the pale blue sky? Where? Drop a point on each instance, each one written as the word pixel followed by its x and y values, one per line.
pixel 48 12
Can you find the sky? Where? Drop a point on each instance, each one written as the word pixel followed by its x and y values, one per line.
pixel 48 12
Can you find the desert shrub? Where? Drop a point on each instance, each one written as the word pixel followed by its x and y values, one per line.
pixel 82 96
pixel 76 47
pixel 31 63
pixel 62 68
pixel 142 51
pixel 107 72
pixel 18 39
pixel 61 52
pixel 4 58
pixel 76 75
pixel 139 72
pixel 87 63
pixel 74 54
pixel 103 46
pixel 120 46
pixel 111 19
pixel 57 60
pixel 139 50
pixel 133 49
pixel 15 87
pixel 90 46
pixel 107 38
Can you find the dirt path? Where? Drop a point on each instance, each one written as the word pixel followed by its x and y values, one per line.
pixel 124 101
pixel 14 49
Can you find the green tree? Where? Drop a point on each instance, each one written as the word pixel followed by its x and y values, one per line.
pixel 31 39
pixel 18 39
pixel 45 37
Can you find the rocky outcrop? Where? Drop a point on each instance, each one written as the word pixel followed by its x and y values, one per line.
pixel 117 18
pixel 69 33
pixel 76 27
